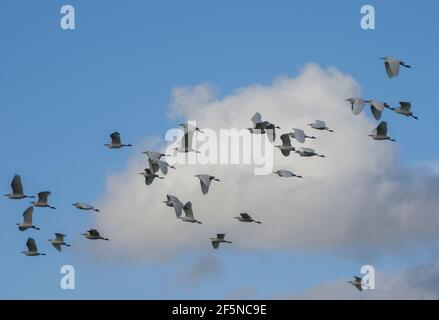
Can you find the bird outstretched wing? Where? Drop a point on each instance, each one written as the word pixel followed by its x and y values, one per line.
pixel 59 237
pixel 299 135
pixel 115 138
pixel 43 196
pixel 245 215
pixel 31 245
pixel 188 210
pixel 27 215
pixel 406 106
pixel 257 118
pixel 93 232
pixel 17 187
pixel 381 130
pixel 375 112
pixel 204 182
pixel 286 141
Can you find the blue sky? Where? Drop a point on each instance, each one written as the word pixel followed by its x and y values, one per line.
pixel 63 92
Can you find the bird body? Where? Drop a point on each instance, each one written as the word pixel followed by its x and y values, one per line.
pixel 205 181
pixel 42 201
pixel 245 217
pixel 84 206
pixel 320 125
pixel 300 135
pixel 93 234
pixel 17 189
pixel 307 152
pixel 154 156
pixel 189 127
pixel 116 142
pixel 27 220
pixel 219 239
pixel 58 242
pixel 286 174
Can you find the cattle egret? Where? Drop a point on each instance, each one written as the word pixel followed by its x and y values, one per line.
pixel 377 108
pixel 156 165
pixel 392 66
pixel 27 220
pixel 219 239
pixel 286 146
pixel 84 206
pixel 149 176
pixel 307 152
pixel 42 201
pixel 189 214
pixel 155 156
pixel 405 109
pixel 357 283
pixel 189 127
pixel 380 133
pixel 116 142
pixel 58 242
pixel 245 217
pixel 174 202
pixel 262 127
pixel 186 143
pixel 93 234
pixel 32 249
pixel 17 189
pixel 320 125
pixel 205 180
pixel 357 105
pixel 300 135
pixel 286 174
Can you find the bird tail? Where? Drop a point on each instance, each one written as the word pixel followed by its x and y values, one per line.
pixel 67 245
pixel 199 222
pixel 330 130
pixel 106 239
pixel 406 65
pixel 258 222
pixel 52 207
pixel 97 210
pixel 415 117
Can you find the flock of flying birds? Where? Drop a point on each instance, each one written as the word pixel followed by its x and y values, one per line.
pixel 156 164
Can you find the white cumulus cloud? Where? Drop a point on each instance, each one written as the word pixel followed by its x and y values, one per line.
pixel 359 195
